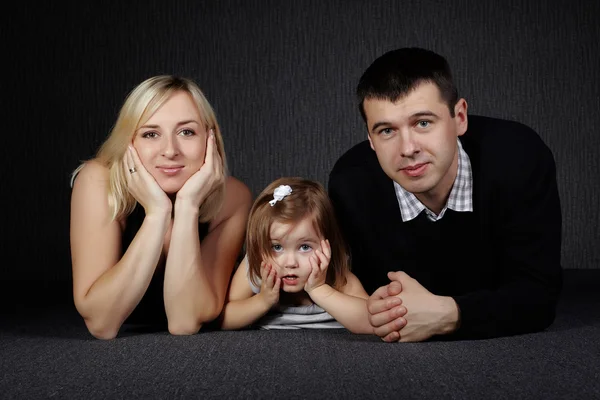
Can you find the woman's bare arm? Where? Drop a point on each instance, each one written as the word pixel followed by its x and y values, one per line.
pixel 197 274
pixel 106 286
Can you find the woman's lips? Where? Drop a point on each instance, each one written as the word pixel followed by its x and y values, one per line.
pixel 170 170
pixel 415 170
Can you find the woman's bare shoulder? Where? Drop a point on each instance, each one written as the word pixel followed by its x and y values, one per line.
pixel 92 171
pixel 90 190
pixel 238 199
pixel 237 194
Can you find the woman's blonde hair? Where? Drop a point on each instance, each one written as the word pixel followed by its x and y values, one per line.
pixel 140 104
pixel 308 199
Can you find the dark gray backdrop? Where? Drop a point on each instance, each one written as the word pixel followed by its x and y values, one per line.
pixel 281 76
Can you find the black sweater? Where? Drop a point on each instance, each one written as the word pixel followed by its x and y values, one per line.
pixel 500 263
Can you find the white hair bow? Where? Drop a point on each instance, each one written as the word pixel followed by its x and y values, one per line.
pixel 279 194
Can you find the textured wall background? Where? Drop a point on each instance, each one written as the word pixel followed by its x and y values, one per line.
pixel 281 76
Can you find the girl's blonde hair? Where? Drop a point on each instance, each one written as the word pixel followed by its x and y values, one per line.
pixel 140 104
pixel 308 199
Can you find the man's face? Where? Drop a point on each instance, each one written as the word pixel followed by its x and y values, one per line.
pixel 415 141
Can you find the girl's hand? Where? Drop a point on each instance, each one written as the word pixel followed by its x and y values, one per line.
pixel 319 263
pixel 269 288
pixel 206 179
pixel 143 187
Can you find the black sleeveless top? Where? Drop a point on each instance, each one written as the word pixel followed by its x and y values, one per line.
pixel 151 309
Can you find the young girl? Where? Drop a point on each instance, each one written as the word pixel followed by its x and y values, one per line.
pixel 296 272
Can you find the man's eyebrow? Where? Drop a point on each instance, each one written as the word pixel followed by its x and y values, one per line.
pixel 418 114
pixel 380 124
pixel 188 121
pixel 424 114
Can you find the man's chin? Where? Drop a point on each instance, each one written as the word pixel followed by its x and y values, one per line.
pixel 414 187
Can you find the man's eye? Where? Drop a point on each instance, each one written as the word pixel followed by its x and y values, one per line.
pixel 277 247
pixel 187 132
pixel 423 124
pixel 149 135
pixel 305 247
pixel 385 131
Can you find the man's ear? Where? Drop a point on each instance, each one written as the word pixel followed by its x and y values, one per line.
pixel 460 117
pixel 370 140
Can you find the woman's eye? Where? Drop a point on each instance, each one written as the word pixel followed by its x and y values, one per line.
pixel 305 247
pixel 187 132
pixel 277 247
pixel 150 135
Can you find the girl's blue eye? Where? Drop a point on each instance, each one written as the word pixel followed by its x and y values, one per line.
pixel 305 247
pixel 277 247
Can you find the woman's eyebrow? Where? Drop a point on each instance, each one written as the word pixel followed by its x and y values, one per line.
pixel 187 121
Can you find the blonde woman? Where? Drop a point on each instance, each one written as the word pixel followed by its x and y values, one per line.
pixel 156 222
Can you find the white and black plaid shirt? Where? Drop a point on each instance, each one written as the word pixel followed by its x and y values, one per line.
pixel 460 199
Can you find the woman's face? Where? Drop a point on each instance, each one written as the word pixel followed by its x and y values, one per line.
pixel 172 143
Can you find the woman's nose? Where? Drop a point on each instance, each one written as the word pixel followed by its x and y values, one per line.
pixel 171 148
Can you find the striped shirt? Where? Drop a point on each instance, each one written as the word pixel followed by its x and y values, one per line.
pixel 293 317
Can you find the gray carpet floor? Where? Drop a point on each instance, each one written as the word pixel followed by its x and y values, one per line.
pixel 46 352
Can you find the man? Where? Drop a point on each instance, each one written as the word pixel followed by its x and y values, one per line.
pixel 461 214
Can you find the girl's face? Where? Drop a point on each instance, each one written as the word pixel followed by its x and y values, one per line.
pixel 172 143
pixel 292 245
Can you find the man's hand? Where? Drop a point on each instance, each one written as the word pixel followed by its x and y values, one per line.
pixel 386 313
pixel 427 314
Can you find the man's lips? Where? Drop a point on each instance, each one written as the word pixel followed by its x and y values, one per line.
pixel 414 166
pixel 415 169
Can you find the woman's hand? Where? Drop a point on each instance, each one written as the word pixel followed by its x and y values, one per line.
pixel 207 179
pixel 269 288
pixel 319 263
pixel 143 186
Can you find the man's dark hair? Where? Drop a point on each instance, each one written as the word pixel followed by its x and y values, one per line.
pixel 397 72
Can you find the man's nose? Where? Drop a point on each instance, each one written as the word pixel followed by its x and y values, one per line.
pixel 409 147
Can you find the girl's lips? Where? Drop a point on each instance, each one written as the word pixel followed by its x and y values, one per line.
pixel 416 170
pixel 290 280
